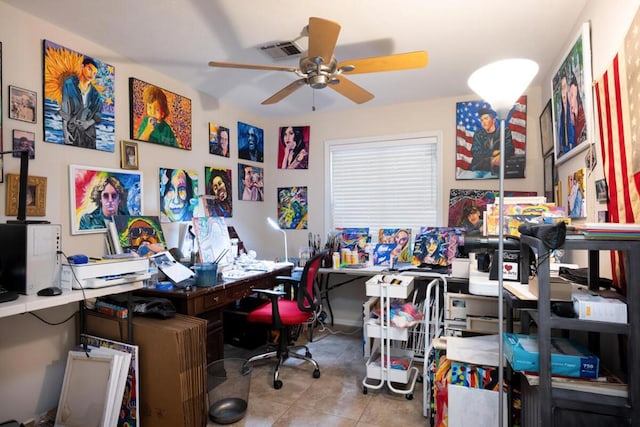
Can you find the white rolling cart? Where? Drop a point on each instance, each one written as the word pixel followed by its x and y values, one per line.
pixel 399 378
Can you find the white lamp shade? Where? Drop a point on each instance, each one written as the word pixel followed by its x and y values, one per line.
pixel 273 223
pixel 502 82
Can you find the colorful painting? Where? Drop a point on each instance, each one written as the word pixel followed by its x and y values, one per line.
pixel 217 183
pixel 293 147
pixel 137 231
pixel 571 99
pixel 250 183
pixel 401 238
pixel 467 207
pixel 250 142
pixel 159 116
pixel 436 246
pixel 178 194
pixel 478 140
pixel 213 240
pixel 99 194
pixel 79 99
pixel 382 253
pixel 576 197
pixel 354 238
pixel 292 208
pixel 219 138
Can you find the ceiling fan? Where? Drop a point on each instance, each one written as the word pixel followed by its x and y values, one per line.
pixel 320 69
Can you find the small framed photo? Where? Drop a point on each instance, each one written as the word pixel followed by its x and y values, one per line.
pixel 602 193
pixel 22 104
pixel 23 140
pixel 128 155
pixel 36 195
pixel 603 216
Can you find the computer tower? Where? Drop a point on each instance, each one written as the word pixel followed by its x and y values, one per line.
pixel 29 258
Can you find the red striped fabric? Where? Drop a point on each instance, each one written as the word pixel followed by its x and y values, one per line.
pixel 616 94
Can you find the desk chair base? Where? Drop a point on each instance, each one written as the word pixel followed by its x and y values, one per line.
pixel 284 354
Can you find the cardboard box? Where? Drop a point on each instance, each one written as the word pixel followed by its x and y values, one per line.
pixel 172 366
pixel 595 307
pixel 567 357
pixel 560 288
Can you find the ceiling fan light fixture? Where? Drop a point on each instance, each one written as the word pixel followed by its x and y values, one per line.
pixel 318 81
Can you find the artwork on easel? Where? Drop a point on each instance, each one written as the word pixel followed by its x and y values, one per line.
pixel 213 240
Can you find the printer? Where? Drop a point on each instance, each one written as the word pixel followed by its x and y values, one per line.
pixel 106 272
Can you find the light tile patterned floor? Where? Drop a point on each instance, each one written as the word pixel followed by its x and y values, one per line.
pixel 334 399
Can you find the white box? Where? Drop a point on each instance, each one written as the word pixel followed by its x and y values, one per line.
pixel 460 268
pixel 595 307
pixel 396 286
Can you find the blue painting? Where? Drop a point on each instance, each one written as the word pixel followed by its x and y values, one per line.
pixel 79 101
pixel 250 142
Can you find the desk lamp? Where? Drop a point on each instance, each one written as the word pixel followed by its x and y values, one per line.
pixel 501 83
pixel 275 226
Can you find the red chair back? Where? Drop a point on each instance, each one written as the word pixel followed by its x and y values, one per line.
pixel 307 291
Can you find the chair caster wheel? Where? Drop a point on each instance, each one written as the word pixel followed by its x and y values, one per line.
pixel 316 373
pixel 277 384
pixel 409 396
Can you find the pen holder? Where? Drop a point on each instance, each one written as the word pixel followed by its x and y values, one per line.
pixel 206 274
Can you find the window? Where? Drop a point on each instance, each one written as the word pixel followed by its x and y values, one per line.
pixel 385 182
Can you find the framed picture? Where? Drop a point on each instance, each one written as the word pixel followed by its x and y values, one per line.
pixel 97 194
pixel 250 142
pixel 23 140
pixel 36 195
pixel 128 155
pixel 550 177
pixel 22 104
pixel 219 140
pixel 250 183
pixel 546 130
pixel 69 116
pixel 293 147
pixel 602 192
pixel 478 140
pixel 572 100
pixel 292 208
pixel 170 121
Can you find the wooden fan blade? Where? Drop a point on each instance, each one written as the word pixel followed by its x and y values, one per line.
pixel 286 91
pixel 400 61
pixel 352 91
pixel 251 66
pixel 323 36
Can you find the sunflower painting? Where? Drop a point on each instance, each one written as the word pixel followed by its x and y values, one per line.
pixel 79 100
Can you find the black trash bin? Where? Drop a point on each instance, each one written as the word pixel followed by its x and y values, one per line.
pixel 228 382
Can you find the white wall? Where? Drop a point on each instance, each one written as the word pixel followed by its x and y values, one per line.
pixel 32 354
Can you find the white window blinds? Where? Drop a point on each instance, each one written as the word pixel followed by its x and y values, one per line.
pixel 384 184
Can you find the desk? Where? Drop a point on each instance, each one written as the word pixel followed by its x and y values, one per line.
pixel 208 303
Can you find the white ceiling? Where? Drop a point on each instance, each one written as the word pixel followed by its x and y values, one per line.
pixel 179 37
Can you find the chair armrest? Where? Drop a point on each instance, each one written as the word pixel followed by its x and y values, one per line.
pixel 290 285
pixel 273 296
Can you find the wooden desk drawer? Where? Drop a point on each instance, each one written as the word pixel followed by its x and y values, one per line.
pixel 238 293
pixel 210 301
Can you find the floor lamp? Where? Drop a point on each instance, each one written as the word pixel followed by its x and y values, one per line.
pixel 275 226
pixel 500 84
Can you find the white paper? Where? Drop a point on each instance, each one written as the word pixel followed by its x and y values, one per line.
pixel 175 271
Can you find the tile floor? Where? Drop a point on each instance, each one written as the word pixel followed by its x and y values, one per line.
pixel 334 399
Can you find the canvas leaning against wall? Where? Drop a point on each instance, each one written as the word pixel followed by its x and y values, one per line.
pixel 159 116
pixel 478 140
pixel 79 99
pixel 98 194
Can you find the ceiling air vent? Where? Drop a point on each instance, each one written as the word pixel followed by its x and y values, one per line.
pixel 282 50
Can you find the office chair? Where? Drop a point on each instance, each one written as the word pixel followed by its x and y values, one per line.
pixel 285 313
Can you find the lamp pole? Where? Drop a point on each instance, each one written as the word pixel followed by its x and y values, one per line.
pixel 276 226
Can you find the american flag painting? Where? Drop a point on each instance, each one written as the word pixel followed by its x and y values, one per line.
pixel 468 122
pixel 617 95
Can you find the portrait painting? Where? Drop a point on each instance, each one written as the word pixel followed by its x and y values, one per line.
pixel 576 194
pixel 128 155
pixel 22 104
pixel 250 142
pixel 602 191
pixel 478 140
pixel 292 208
pixel 250 183
pixel 293 147
pixel 97 194
pixel 218 185
pixel 572 100
pixel 159 116
pixel 24 141
pixel 135 231
pixel 219 137
pixel 78 99
pixel 178 194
